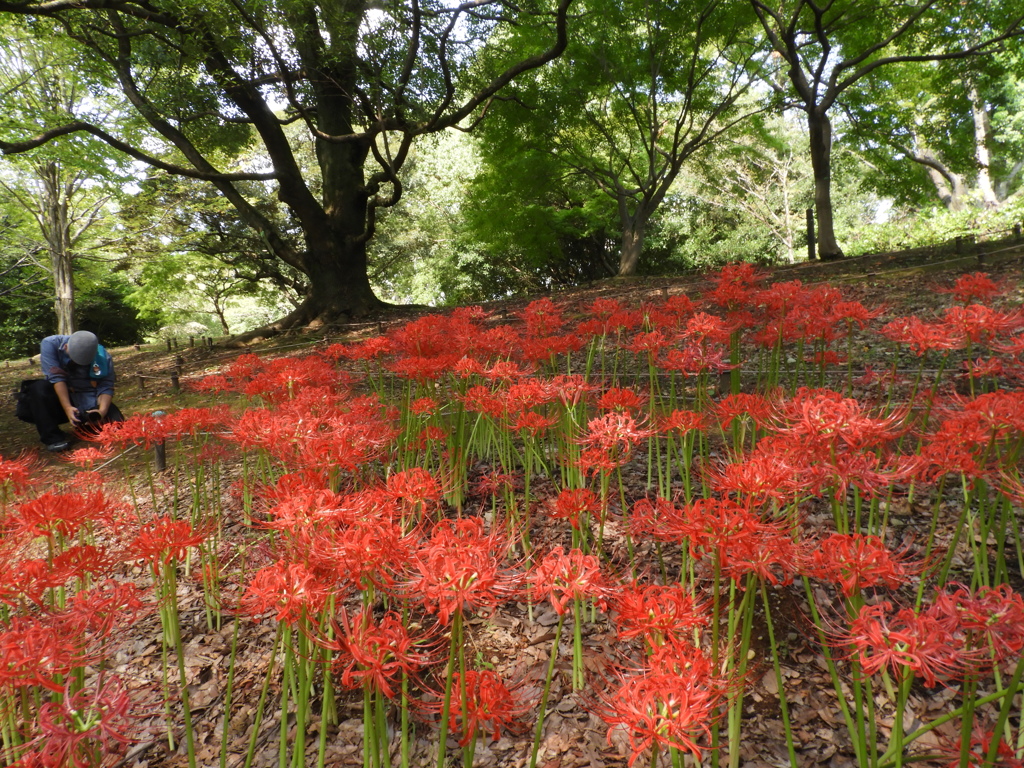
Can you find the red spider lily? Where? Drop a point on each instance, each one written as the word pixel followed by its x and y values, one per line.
pixel 902 642
pixel 543 348
pixel 376 652
pixel 461 567
pixel 490 705
pixel 424 369
pixel 145 431
pixel 291 590
pixel 16 474
pixel 980 368
pixel 757 407
pixel 975 285
pixel 415 489
pixel 716 526
pixel 369 551
pixel 649 343
pixel 103 607
pixel 424 406
pixel 372 348
pixel 1000 412
pixel 562 578
pixel 506 370
pixel 493 482
pixel 196 421
pixel 695 359
pixel 616 399
pixel 671 314
pixel 525 394
pixel 775 469
pixel 770 554
pixel 956 447
pixel 533 424
pixel 86 725
pixel 482 399
pixel 674 709
pixel 165 539
pixel 707 329
pixel 569 390
pixel 609 441
pixel 681 421
pixel 30 580
pixel 89 456
pixel 854 562
pixel 428 336
pixel 35 652
pixel 84 559
pixel 854 313
pixel 822 417
pixel 736 285
pixel 660 519
pixel 316 432
pixel 542 317
pixel 572 504
pixel 922 337
pixel 978 750
pixel 429 434
pixel 65 513
pixel 657 613
pixel 615 433
pixel 993 618
pixel 982 324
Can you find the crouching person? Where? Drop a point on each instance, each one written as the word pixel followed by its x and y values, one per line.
pixel 78 389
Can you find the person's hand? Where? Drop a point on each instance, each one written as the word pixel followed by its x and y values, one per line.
pixel 72 414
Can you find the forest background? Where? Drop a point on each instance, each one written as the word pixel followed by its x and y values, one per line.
pixel 186 168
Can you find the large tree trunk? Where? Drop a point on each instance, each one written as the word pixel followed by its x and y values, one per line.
pixel 981 153
pixel 57 231
pixel 632 247
pixel 820 130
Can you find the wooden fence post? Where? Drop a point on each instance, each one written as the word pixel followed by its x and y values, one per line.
pixel 812 244
pixel 160 449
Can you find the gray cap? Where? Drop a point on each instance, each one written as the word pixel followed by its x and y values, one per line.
pixel 82 347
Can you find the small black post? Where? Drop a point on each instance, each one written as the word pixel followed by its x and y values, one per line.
pixel 1016 231
pixel 209 342
pixel 168 345
pixel 160 449
pixel 175 383
pixel 812 244
pixel 142 381
pixel 191 342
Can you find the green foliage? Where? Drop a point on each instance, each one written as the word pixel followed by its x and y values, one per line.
pixel 912 228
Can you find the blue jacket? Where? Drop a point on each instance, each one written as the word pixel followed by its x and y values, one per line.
pixel 85 387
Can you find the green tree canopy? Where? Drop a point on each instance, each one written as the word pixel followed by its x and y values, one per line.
pixel 362 81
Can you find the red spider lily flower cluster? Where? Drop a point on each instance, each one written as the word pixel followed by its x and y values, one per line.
pixel 376 652
pixel 561 578
pixel 672 703
pixel 461 567
pixel 487 706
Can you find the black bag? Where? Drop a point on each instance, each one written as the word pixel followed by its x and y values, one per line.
pixel 22 409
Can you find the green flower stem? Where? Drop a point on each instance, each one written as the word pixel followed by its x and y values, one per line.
pixel 171 594
pixel 453 650
pixel 228 691
pixel 261 704
pixel 539 730
pixel 783 704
